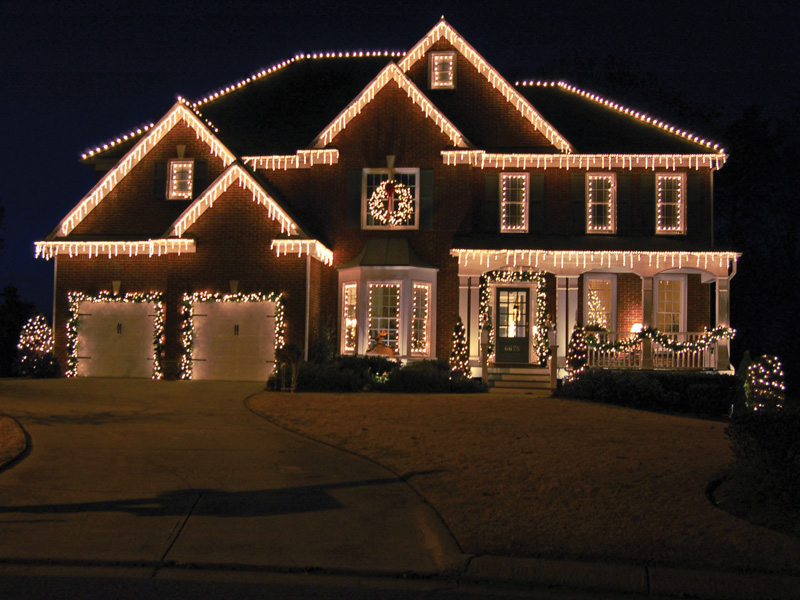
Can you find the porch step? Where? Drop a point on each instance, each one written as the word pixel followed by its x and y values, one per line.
pixel 531 380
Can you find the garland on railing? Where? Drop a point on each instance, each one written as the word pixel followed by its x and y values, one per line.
pixel 187 324
pixel 709 337
pixel 75 299
pixel 485 312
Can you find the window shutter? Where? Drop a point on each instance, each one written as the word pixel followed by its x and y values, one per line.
pixel 647 204
pixel 160 180
pixel 624 204
pixel 491 205
pixel 536 203
pixel 577 186
pixel 426 198
pixel 200 177
pixel 354 198
pixel 695 202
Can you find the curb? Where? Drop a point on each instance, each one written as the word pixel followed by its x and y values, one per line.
pixel 642 580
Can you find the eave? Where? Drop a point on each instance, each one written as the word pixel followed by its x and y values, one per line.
pixel 486 160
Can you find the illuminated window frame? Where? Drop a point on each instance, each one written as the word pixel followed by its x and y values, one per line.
pixel 662 201
pixel 442 69
pixel 612 309
pixel 609 202
pixel 350 318
pixel 180 179
pixel 420 319
pixel 391 324
pixel 506 202
pixel 401 175
pixel 659 306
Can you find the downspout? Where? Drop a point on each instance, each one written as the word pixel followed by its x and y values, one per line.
pixel 308 305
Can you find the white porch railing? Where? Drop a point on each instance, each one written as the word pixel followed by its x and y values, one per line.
pixel 661 357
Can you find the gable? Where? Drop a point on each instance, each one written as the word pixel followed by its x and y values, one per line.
pixel 391 73
pixel 442 34
pixel 178 114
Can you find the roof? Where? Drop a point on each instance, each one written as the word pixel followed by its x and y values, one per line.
pixel 580 243
pixel 387 252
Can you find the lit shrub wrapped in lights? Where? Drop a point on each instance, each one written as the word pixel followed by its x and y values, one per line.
pixel 576 353
pixel 764 387
pixel 459 355
pixel 35 350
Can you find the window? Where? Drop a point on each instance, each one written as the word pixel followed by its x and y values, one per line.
pixel 181 177
pixel 349 318
pixel 601 192
pixel 670 203
pixel 384 313
pixel 420 323
pixel 514 202
pixel 442 67
pixel 670 302
pixel 599 301
pixel 371 179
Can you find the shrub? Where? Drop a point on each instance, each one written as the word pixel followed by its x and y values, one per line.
pixel 35 350
pixel 766 447
pixel 701 394
pixel 429 377
pixel 764 386
pixel 342 374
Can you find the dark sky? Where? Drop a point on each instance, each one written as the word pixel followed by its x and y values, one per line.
pixel 76 73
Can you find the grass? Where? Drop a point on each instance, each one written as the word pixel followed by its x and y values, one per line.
pixel 12 440
pixel 551 478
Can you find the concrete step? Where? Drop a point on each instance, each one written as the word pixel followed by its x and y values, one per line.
pixel 534 385
pixel 520 376
pixel 539 393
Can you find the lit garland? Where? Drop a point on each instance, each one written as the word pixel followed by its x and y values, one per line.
pixel 459 355
pixel 705 341
pixel 187 324
pixel 485 312
pixel 392 203
pixel 764 387
pixel 76 298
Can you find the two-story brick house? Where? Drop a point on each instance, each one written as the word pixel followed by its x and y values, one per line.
pixel 377 193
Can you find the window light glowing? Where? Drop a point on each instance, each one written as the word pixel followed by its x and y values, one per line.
pixel 670 203
pixel 486 160
pixel 420 302
pixel 513 202
pixel 442 70
pixel 181 178
pixel 349 317
pixel 312 248
pixel 384 313
pixel 390 73
pixel 149 248
pixel 443 30
pixel 234 174
pixel 625 110
pixel 601 193
pixel 179 113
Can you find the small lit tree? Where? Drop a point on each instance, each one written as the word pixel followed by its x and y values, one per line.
pixel 459 355
pixel 597 315
pixel 576 353
pixel 35 350
pixel 764 387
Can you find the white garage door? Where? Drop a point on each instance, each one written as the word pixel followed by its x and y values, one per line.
pixel 115 339
pixel 233 340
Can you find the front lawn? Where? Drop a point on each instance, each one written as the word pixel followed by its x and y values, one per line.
pixel 555 478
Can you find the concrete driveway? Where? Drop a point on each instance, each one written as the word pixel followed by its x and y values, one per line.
pixel 149 473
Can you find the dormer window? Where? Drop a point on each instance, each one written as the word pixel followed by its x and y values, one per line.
pixel 181 178
pixel 442 69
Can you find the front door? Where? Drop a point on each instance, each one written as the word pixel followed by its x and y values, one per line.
pixel 513 343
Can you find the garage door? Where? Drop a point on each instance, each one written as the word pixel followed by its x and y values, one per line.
pixel 115 339
pixel 233 340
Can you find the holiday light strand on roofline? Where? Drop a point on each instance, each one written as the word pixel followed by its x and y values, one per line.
pixel 118 140
pixel 112 249
pixel 444 30
pixel 188 302
pixel 487 160
pixel 179 113
pixel 503 276
pixel 234 174
pixel 303 159
pixel 312 248
pixel 390 73
pixel 589 259
pixel 644 117
pixel 75 299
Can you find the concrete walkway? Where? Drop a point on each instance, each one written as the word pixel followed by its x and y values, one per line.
pixel 129 472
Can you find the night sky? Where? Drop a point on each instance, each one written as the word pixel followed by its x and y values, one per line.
pixel 78 73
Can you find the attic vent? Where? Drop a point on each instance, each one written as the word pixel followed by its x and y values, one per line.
pixel 442 67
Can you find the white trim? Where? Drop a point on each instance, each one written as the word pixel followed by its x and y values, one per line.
pixel 365 199
pixel 612 325
pixel 434 82
pixel 174 167
pixel 427 325
pixel 504 228
pixel 112 249
pixel 683 279
pixel 681 228
pixel 610 200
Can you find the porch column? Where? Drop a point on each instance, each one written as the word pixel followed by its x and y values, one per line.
pixel 567 305
pixel 723 320
pixel 463 307
pixel 648 318
pixel 473 331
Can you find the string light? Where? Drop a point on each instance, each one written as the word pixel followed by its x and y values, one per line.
pixel 150 248
pixel 349 319
pixel 514 191
pixel 312 248
pixel 670 200
pixel 577 353
pixel 706 340
pixel 388 323
pixel 486 160
pixel 420 340
pixel 765 386
pixel 392 203
pixel 88 153
pixel 75 299
pixel 600 209
pixel 644 117
pixel 459 355
pixel 303 159
pixel 188 302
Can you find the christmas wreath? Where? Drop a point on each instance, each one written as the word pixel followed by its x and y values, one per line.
pixel 391 203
